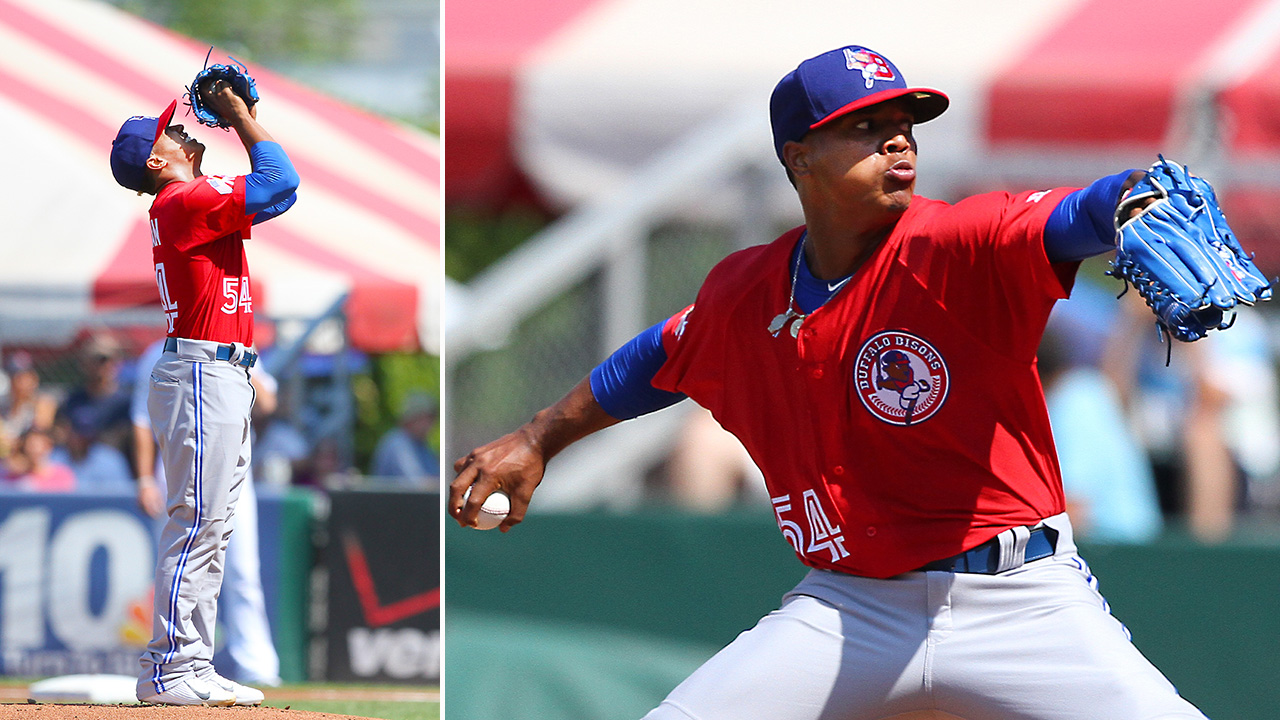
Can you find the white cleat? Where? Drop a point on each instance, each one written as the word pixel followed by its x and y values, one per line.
pixel 244 694
pixel 190 691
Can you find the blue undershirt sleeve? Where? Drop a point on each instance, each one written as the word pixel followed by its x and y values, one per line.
pixel 266 214
pixel 1083 224
pixel 623 384
pixel 272 181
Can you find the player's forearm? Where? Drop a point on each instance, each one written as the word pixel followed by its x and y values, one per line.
pixel 249 130
pixel 574 417
pixel 515 462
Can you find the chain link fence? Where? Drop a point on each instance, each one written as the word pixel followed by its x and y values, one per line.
pixel 492 392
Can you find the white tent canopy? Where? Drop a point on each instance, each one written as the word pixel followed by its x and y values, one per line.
pixel 366 225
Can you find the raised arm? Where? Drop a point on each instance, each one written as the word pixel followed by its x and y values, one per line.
pixel 270 189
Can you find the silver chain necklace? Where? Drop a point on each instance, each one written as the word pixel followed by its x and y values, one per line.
pixel 782 319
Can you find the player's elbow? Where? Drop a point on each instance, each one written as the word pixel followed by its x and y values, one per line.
pixel 286 181
pixel 290 179
pixel 284 187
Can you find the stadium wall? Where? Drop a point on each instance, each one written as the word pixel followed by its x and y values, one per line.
pixel 602 615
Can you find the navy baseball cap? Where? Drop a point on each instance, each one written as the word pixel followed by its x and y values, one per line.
pixel 132 147
pixel 835 84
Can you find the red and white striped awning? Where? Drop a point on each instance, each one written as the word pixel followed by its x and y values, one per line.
pixel 73 243
pixel 574 96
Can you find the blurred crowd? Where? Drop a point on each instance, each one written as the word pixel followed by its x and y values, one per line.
pixel 1142 446
pixel 1150 433
pixel 95 434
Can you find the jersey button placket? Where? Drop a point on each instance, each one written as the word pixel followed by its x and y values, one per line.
pixel 809 352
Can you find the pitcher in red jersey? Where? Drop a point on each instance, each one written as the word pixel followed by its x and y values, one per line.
pixel 879 364
pixel 200 394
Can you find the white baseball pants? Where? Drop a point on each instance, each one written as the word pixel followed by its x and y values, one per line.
pixel 1034 643
pixel 199 411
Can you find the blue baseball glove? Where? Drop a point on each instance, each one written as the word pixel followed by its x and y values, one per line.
pixel 1181 256
pixel 237 76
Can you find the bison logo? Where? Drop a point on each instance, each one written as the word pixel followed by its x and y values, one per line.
pixel 900 378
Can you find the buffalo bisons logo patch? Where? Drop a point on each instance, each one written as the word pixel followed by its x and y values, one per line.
pixel 900 378
pixel 873 66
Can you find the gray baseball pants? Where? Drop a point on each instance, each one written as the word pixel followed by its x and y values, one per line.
pixel 1034 643
pixel 199 410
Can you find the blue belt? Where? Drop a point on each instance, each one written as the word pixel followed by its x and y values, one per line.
pixel 985 558
pixel 248 358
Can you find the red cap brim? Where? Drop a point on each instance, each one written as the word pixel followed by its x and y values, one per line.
pixel 928 104
pixel 162 123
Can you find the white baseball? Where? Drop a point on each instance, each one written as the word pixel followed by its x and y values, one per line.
pixel 493 511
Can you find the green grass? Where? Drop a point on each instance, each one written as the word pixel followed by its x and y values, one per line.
pixel 388 709
pixel 383 710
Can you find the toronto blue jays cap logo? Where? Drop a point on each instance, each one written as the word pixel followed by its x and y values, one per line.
pixel 873 65
pixel 824 88
pixel 900 378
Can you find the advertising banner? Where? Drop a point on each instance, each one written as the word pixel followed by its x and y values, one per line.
pixel 382 570
pixel 75 584
pixel 76 576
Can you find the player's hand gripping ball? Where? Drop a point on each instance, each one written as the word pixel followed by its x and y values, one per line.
pixel 236 76
pixel 1179 253
pixel 493 511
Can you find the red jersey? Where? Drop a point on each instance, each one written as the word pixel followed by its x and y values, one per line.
pixel 905 422
pixel 198 230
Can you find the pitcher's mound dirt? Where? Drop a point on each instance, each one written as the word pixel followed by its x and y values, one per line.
pixel 53 711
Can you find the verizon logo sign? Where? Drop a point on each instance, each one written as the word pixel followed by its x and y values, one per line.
pixel 403 654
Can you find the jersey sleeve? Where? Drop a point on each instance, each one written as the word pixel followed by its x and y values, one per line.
pixel 275 210
pixel 273 180
pixel 214 207
pixel 700 353
pixel 1018 256
pixel 688 344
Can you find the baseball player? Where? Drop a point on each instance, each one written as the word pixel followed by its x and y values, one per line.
pixel 200 396
pixel 878 363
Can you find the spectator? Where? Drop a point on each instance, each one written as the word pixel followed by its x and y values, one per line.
pixel 1241 365
pixel 402 453
pixel 709 470
pixel 1106 475
pixel 1209 420
pixel 100 403
pixel 32 468
pixel 325 468
pixel 97 466
pixel 26 406
pixel 280 450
